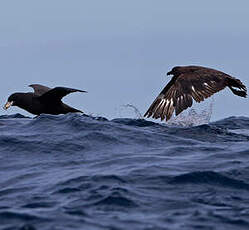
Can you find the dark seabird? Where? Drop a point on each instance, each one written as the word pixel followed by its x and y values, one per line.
pixel 191 82
pixel 43 100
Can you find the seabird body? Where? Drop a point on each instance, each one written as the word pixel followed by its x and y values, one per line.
pixel 188 83
pixel 43 100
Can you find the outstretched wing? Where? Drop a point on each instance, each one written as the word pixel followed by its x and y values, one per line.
pixel 178 94
pixel 57 93
pixel 163 105
pixel 39 89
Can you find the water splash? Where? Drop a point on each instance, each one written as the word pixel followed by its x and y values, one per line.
pixel 127 108
pixel 192 117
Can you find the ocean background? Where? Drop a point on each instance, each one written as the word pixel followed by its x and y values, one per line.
pixel 76 171
pixel 111 169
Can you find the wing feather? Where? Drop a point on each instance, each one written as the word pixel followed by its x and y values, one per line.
pixel 39 89
pixel 57 93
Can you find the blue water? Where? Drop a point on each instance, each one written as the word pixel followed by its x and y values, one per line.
pixel 78 172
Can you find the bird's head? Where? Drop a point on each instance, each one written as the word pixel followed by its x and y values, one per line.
pixel 12 100
pixel 178 70
pixel 175 71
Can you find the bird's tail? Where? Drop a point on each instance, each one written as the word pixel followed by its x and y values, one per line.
pixel 233 82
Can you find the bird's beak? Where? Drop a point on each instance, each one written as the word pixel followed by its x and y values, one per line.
pixel 8 104
pixel 169 73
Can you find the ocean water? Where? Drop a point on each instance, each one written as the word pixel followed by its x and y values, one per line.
pixel 80 172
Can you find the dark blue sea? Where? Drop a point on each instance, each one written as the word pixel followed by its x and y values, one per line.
pixel 80 172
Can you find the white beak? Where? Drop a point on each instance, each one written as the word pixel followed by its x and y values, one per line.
pixel 8 104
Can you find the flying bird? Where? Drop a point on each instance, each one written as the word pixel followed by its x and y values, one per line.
pixel 43 100
pixel 188 83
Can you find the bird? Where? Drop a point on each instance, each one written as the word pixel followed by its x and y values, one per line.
pixel 43 100
pixel 188 83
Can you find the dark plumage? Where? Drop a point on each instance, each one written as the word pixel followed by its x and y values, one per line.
pixel 43 100
pixel 191 82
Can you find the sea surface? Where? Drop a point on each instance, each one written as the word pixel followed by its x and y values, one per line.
pixel 80 172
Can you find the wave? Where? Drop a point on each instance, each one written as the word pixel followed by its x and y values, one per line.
pixel 66 129
pixel 209 178
pixel 75 171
